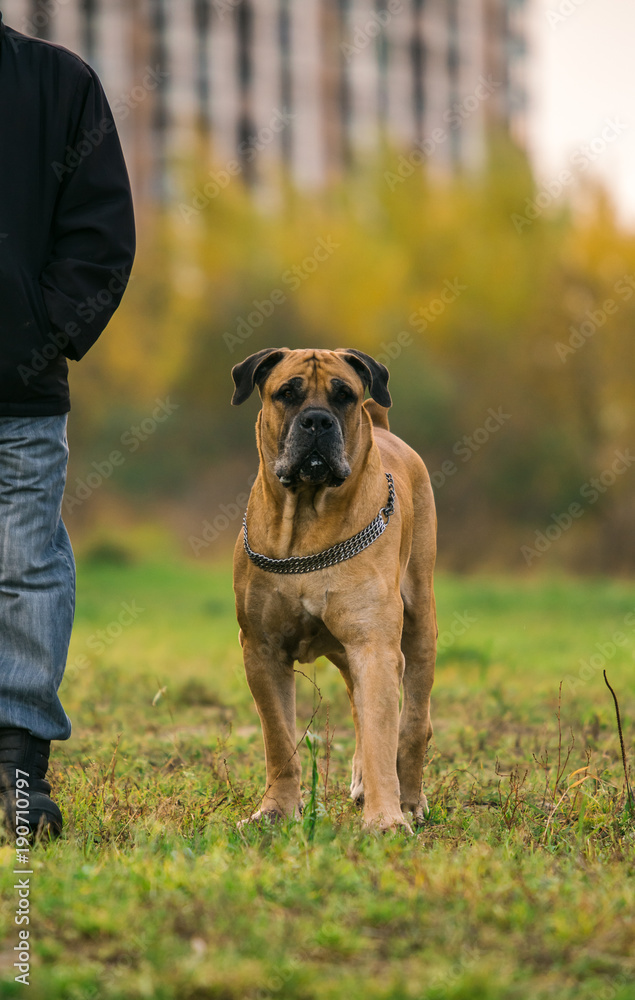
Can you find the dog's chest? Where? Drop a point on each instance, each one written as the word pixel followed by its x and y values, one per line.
pixel 298 619
pixel 312 605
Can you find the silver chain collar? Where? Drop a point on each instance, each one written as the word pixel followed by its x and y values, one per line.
pixel 328 557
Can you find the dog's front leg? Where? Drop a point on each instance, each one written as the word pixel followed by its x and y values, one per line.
pixel 377 669
pixel 271 680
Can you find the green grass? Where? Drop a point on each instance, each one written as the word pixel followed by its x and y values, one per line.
pixel 518 886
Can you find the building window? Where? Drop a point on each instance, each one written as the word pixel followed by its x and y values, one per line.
pixel 244 23
pixel 286 94
pixel 453 60
pixel 202 23
pixel 89 14
pixel 39 20
pixel 244 28
pixel 418 54
pixel 160 118
pixel 382 79
pixel 344 89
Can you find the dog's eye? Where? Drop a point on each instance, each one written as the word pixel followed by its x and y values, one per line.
pixel 286 393
pixel 343 395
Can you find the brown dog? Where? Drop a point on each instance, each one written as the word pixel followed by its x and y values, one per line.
pixel 369 607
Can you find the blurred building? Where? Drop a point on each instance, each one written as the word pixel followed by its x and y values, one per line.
pixel 315 85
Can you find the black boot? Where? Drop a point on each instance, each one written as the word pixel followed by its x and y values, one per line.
pixel 29 755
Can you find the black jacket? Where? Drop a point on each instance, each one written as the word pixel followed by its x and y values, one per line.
pixel 66 222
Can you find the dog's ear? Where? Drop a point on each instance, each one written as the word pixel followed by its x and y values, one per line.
pixel 253 371
pixel 372 373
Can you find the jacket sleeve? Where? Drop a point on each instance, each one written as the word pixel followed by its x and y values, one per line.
pixel 93 232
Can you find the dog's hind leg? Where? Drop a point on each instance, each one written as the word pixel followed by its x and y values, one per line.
pixel 357 784
pixel 418 644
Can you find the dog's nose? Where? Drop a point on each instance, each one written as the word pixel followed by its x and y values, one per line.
pixel 316 421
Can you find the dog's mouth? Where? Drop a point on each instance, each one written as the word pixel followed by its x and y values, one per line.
pixel 315 470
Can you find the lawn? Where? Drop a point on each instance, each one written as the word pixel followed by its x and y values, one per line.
pixel 521 884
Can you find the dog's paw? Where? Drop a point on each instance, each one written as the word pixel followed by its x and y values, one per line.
pixel 357 795
pixel 386 823
pixel 262 817
pixel 420 810
pixel 357 790
pixel 270 815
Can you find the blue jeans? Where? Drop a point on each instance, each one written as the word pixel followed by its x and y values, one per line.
pixel 37 575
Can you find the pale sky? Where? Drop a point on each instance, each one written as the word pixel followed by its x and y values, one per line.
pixel 582 75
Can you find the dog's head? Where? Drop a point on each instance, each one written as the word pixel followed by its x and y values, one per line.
pixel 311 414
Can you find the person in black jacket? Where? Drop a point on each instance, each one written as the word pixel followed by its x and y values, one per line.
pixel 67 244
